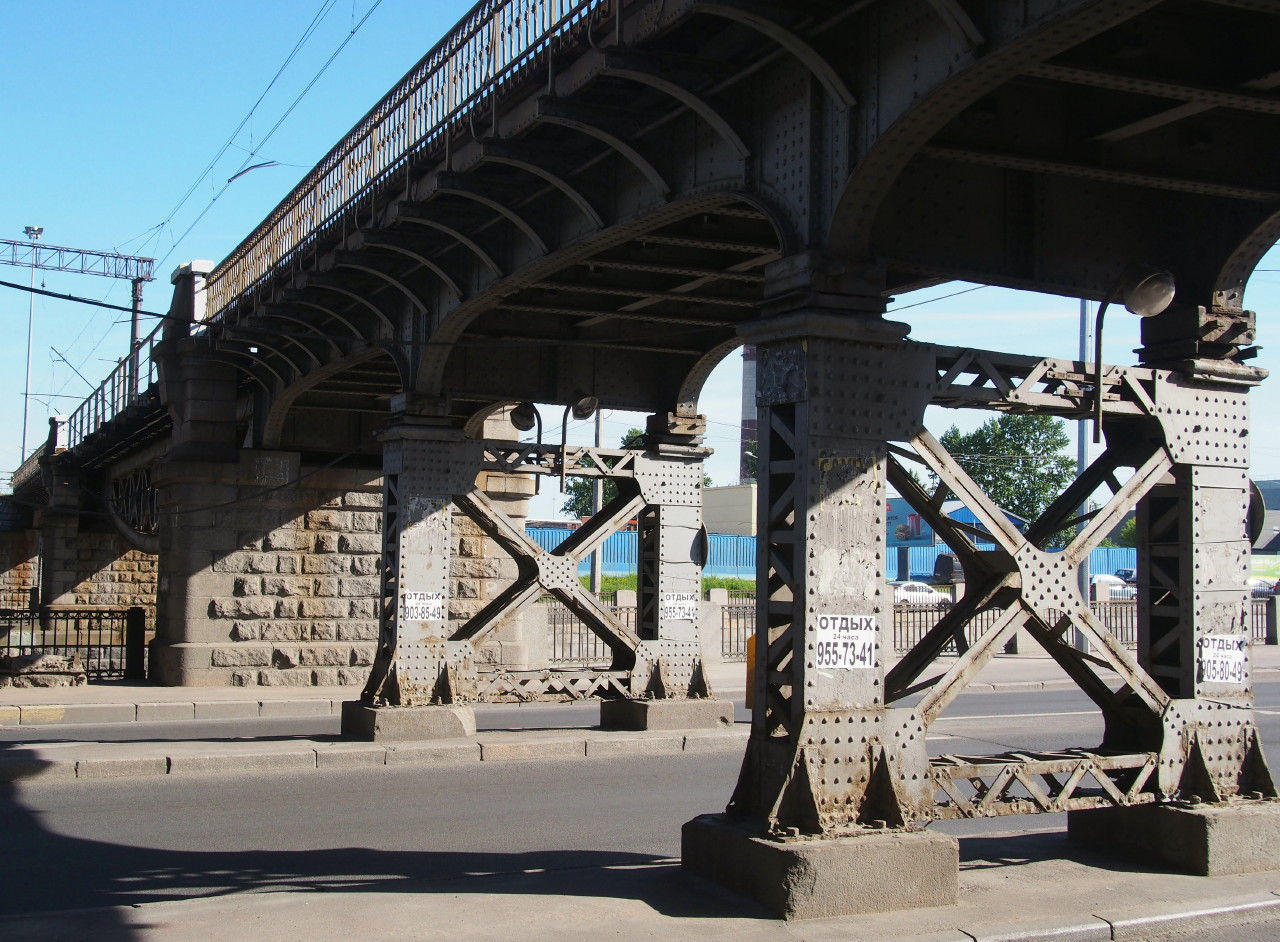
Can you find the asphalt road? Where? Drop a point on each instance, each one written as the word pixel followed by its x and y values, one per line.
pixel 134 841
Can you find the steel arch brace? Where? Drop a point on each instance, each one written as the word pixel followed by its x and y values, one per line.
pixel 644 71
pixel 565 114
pixel 412 296
pixel 319 282
pixel 426 263
pixel 328 312
pixel 757 17
pixel 453 184
pixel 282 402
pixel 310 328
pixel 523 158
pixel 696 378
pixel 416 214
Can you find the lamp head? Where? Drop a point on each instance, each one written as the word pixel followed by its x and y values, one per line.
pixel 1146 293
pixel 524 416
pixel 33 232
pixel 585 407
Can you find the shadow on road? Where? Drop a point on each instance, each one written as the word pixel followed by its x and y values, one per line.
pixel 56 874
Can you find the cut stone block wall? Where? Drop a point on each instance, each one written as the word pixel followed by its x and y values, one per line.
pixel 270 573
pixel 93 570
pixel 19 569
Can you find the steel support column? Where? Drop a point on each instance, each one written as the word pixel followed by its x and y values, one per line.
pixel 829 767
pixel 425 464
pixel 826 756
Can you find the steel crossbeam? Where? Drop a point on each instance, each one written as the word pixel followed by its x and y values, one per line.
pixel 1040 782
pixel 984 379
pixel 578 460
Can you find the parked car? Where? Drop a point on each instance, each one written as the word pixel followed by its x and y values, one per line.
pixel 917 593
pixel 1105 588
pixel 1128 575
pixel 947 570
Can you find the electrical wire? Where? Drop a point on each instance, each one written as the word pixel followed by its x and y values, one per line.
pixel 325 7
pixel 275 127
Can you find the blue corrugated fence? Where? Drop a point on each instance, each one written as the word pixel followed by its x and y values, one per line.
pixel 735 556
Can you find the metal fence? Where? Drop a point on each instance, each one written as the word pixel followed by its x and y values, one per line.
pixel 572 642
pixel 737 622
pixel 118 391
pixel 910 622
pixel 106 643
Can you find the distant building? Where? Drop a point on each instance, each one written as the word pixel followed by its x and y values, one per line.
pixel 730 510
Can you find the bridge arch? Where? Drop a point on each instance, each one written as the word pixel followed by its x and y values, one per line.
pixel 622 294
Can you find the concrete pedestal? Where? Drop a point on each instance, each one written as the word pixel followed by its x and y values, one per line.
pixel 1206 840
pixel 406 724
pixel 878 871
pixel 666 714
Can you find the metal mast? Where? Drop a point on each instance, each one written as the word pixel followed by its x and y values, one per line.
pixel 32 254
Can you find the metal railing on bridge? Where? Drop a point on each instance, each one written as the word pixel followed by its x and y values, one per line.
pixel 118 391
pixel 491 45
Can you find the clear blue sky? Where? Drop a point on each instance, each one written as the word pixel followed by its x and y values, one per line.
pixel 115 110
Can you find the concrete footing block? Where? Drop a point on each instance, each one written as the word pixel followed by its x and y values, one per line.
pixel 406 724
pixel 879 871
pixel 1206 840
pixel 666 714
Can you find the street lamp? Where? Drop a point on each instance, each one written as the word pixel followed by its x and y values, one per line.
pixel 1145 293
pixel 33 233
pixel 583 408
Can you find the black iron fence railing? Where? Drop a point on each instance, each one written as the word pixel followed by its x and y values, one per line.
pixel 105 643
pixel 572 642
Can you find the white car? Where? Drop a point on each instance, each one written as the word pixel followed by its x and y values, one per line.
pixel 1106 588
pixel 917 593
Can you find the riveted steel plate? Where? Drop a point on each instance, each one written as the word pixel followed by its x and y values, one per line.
pixel 842 749
pixel 669 481
pixel 1203 426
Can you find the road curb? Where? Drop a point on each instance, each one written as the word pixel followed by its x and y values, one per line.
pixel 308 754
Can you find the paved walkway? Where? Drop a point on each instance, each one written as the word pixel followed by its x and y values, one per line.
pixel 1023 885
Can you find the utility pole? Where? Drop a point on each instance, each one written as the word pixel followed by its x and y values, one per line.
pixel 33 233
pixel 597 498
pixel 1082 462
pixel 135 269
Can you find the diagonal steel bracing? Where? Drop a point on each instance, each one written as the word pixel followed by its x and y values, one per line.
pixel 829 752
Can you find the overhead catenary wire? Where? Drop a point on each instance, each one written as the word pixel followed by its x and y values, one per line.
pixel 325 7
pixel 275 127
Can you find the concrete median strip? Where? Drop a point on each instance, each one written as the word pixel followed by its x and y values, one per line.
pixel 46 761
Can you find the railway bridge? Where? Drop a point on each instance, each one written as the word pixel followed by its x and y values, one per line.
pixel 591 203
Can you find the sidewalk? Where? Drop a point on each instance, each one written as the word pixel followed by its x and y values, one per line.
pixel 1032 888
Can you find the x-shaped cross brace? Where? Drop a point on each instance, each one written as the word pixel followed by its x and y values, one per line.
pixel 1036 588
pixel 554 571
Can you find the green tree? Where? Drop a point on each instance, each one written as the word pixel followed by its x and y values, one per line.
pixel 1127 535
pixel 577 490
pixel 1017 460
